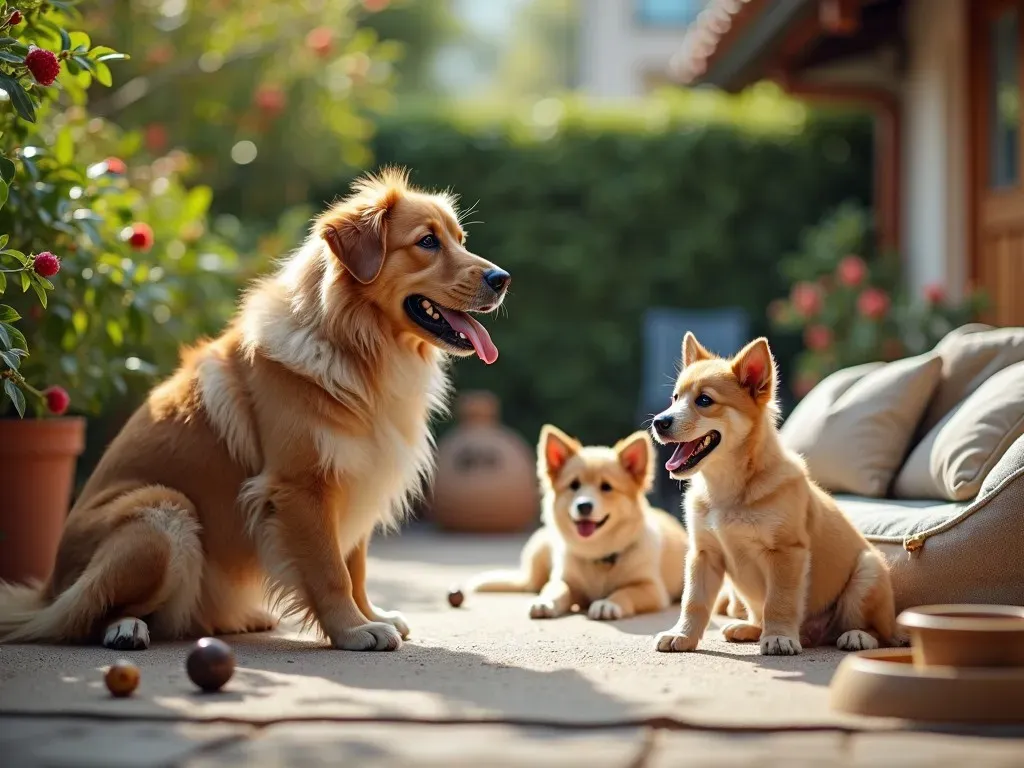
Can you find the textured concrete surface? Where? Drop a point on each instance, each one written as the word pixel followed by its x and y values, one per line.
pixel 482 684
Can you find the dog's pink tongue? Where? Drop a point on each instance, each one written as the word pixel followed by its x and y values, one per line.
pixel 476 333
pixel 586 527
pixel 679 456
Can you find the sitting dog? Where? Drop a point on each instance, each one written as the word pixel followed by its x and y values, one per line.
pixel 265 462
pixel 602 547
pixel 805 575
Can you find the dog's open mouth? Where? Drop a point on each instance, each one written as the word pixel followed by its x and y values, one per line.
pixel 586 527
pixel 689 455
pixel 452 327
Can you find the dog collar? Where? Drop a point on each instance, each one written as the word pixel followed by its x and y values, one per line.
pixel 613 558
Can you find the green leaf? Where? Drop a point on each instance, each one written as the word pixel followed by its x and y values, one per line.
pixel 17 337
pixel 5 338
pixel 115 332
pixel 16 396
pixel 25 281
pixel 40 292
pixel 44 282
pixel 10 359
pixel 3 282
pixel 7 171
pixel 7 42
pixel 11 58
pixel 103 74
pixel 4 190
pixel 4 239
pixel 8 315
pixel 16 254
pixel 64 147
pixel 114 57
pixel 79 38
pixel 19 98
pixel 65 40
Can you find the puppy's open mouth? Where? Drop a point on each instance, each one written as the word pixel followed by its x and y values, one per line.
pixel 452 327
pixel 689 455
pixel 586 527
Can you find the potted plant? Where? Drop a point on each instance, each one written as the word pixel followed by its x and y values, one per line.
pixel 101 255
pixel 851 306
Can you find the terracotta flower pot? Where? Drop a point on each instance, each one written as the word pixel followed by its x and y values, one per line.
pixel 486 474
pixel 37 471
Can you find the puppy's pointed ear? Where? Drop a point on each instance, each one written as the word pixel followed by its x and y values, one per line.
pixel 356 232
pixel 554 450
pixel 754 367
pixel 636 454
pixel 693 350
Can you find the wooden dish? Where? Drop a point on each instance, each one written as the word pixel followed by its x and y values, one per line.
pixel 886 683
pixel 966 635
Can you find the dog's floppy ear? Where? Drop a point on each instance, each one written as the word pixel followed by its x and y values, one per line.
pixel 754 367
pixel 554 450
pixel 636 454
pixel 356 230
pixel 693 350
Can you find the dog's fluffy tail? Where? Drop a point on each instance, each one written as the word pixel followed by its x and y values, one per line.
pixel 504 581
pixel 26 615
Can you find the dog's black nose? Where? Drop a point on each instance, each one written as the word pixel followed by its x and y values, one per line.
pixel 663 423
pixel 584 507
pixel 498 279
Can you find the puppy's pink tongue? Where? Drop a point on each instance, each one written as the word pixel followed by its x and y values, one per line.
pixel 476 333
pixel 679 456
pixel 586 527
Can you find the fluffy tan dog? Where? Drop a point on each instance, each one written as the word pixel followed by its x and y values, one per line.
pixel 602 547
pixel 804 573
pixel 264 463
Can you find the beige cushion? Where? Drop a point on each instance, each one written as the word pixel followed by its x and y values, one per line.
pixel 968 359
pixel 807 419
pixel 863 438
pixel 954 457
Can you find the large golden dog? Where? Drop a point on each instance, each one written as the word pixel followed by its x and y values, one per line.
pixel 261 467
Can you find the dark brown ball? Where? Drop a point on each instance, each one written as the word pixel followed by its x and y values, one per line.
pixel 210 664
pixel 122 678
pixel 455 597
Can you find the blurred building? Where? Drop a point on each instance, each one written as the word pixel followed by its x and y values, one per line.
pixel 944 78
pixel 626 45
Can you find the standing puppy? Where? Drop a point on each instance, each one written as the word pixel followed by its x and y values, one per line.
pixel 805 574
pixel 602 546
pixel 262 466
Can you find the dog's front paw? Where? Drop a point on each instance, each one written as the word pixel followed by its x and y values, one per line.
pixel 375 636
pixel 395 619
pixel 543 609
pixel 741 632
pixel 128 634
pixel 604 610
pixel 674 641
pixel 780 645
pixel 856 640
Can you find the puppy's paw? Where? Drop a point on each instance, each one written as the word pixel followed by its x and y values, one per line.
pixel 542 608
pixel 395 619
pixel 674 641
pixel 262 621
pixel 900 640
pixel 741 632
pixel 128 634
pixel 375 636
pixel 604 610
pixel 856 640
pixel 780 645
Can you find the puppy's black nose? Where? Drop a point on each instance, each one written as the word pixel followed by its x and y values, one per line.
pixel 663 424
pixel 498 279
pixel 584 507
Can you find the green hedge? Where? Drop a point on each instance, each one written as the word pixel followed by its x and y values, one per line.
pixel 598 221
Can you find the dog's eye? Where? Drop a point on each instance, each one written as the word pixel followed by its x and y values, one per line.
pixel 429 242
pixel 574 485
pixel 606 487
pixel 672 399
pixel 703 400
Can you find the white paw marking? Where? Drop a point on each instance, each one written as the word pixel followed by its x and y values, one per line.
pixel 779 645
pixel 375 636
pixel 395 619
pixel 604 610
pixel 674 641
pixel 856 640
pixel 542 609
pixel 127 635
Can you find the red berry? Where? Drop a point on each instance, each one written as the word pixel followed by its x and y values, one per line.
pixel 139 236
pixel 57 400
pixel 46 264
pixel 116 165
pixel 43 65
pixel 934 293
pixel 270 99
pixel 806 298
pixel 320 40
pixel 817 337
pixel 873 303
pixel 15 18
pixel 852 270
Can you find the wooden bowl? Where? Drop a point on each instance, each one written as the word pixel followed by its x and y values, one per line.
pixel 886 683
pixel 966 635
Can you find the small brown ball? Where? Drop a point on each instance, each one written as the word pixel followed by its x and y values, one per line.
pixel 210 664
pixel 122 678
pixel 455 597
